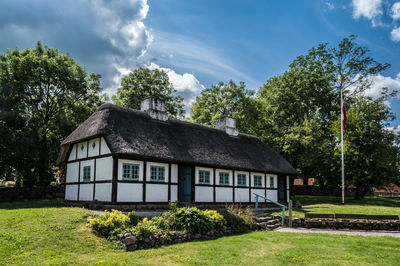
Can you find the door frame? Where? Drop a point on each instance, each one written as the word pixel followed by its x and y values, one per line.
pixel 192 175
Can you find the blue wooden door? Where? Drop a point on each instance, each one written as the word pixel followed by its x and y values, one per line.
pixel 282 189
pixel 185 184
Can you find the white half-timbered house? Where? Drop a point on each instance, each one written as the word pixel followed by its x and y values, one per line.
pixel 124 156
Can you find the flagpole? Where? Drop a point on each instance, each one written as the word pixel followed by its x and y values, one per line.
pixel 341 131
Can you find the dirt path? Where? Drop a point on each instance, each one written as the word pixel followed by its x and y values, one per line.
pixel 338 232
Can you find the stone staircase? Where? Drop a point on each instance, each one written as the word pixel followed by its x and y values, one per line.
pixel 266 221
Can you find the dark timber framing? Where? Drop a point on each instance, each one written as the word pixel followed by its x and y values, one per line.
pixel 79 178
pixel 94 180
pixel 169 181
pixel 249 186
pixel 144 180
pixel 214 185
pixel 114 189
pixel 233 186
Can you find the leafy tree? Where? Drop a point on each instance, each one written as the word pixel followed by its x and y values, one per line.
pixel 143 83
pixel 298 107
pixel 44 95
pixel 222 100
pixel 372 152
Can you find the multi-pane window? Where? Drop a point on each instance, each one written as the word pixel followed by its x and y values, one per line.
pixel 86 173
pixel 241 179
pixel 130 171
pixel 257 181
pixel 204 177
pixel 271 181
pixel 223 178
pixel 157 173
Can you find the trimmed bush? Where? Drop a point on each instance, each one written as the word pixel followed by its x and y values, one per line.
pixel 217 219
pixel 106 223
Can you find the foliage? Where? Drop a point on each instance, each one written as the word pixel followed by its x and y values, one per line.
pixel 146 227
pixel 372 153
pixel 191 219
pixel 238 219
pixel 225 100
pixel 44 95
pixel 217 219
pixel 299 107
pixel 143 83
pixel 110 221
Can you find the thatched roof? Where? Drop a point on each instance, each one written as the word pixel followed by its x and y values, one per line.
pixel 135 133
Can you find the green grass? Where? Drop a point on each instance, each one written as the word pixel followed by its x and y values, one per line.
pixel 42 232
pixel 368 205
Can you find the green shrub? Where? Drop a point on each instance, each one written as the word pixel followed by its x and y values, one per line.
pixel 239 220
pixel 190 219
pixel 216 218
pixel 108 222
pixel 146 227
pixel 134 219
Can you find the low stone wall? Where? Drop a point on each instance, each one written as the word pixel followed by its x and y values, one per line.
pixel 27 193
pixel 388 225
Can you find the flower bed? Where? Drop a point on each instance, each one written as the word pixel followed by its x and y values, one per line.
pixel 174 226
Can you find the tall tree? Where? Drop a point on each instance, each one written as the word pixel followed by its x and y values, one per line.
pixel 44 95
pixel 372 151
pixel 143 83
pixel 221 100
pixel 299 105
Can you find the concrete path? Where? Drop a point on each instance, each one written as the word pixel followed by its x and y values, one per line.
pixel 339 232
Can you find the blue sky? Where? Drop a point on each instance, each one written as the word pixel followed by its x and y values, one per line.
pixel 200 43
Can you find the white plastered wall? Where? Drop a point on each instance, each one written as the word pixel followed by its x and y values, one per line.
pixel 86 192
pixel 243 173
pixel 174 193
pixel 272 194
pixel 94 147
pixel 156 192
pixel 104 147
pixel 104 168
pixel 72 155
pixel 204 194
pixel 130 192
pixel 103 192
pixel 223 194
pixel 174 175
pixel 88 163
pixel 241 195
pixel 71 192
pixel 260 192
pixel 72 172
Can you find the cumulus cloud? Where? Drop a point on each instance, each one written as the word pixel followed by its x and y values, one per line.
pixel 186 84
pixel 105 36
pixel 371 9
pixel 379 82
pixel 395 11
pixel 395 34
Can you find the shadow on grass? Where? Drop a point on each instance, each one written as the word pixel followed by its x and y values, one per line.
pixel 32 204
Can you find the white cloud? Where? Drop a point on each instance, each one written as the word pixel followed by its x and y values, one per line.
pixel 371 9
pixel 329 6
pixel 395 11
pixel 395 34
pixel 186 84
pixel 379 82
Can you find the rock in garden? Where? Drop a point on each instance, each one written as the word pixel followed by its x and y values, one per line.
pixel 129 240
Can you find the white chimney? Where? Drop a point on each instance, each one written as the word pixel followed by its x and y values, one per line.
pixel 228 125
pixel 155 108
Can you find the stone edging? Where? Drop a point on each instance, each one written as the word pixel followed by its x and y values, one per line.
pixel 387 225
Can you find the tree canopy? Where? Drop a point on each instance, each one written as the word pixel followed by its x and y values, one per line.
pixel 44 95
pixel 143 83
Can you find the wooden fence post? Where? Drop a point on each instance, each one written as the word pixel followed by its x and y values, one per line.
pixel 290 213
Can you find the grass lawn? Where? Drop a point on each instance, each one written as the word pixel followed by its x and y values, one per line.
pixel 43 232
pixel 368 205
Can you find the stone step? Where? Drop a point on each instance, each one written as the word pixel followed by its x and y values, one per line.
pixel 264 219
pixel 264 224
pixel 264 215
pixel 273 226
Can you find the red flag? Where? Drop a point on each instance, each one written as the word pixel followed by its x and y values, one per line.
pixel 343 112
